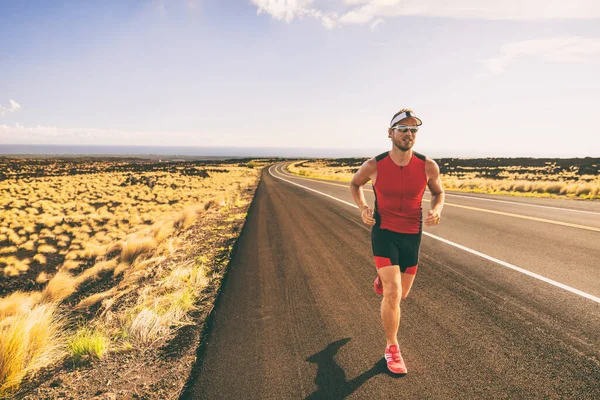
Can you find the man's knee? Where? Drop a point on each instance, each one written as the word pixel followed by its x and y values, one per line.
pixel 392 292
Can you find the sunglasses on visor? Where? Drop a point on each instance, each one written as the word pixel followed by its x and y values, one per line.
pixel 406 128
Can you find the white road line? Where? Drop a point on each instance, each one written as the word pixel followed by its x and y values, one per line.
pixel 475 252
pixel 522 204
pixel 503 201
pixel 548 221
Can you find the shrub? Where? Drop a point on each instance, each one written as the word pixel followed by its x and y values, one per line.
pixel 89 342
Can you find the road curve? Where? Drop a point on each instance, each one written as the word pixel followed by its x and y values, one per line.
pixel 297 317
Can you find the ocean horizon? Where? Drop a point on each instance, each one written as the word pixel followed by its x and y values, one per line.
pixel 184 151
pixel 225 152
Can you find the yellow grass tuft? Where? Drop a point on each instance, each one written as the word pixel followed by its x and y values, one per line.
pixel 188 216
pixel 134 247
pixel 30 341
pixel 46 248
pixel 17 302
pixel 163 229
pixel 146 326
pixel 144 265
pixel 21 265
pixel 28 245
pixel 9 249
pixel 122 267
pixel 42 277
pixel 92 250
pixel 14 238
pixel 69 265
pixel 61 286
pixel 9 270
pixel 92 273
pixel 93 299
pixel 73 255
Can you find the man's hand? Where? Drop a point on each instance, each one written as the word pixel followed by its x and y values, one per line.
pixel 433 218
pixel 367 216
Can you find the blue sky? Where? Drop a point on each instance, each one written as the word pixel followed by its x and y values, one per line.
pixel 488 78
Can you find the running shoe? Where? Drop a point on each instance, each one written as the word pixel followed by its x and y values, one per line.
pixel 394 360
pixel 378 285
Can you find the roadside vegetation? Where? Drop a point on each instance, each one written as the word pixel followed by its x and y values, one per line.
pixel 564 178
pixel 95 261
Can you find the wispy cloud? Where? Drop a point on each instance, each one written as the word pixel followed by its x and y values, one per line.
pixel 558 50
pixel 40 134
pixel 13 107
pixel 334 13
pixel 288 10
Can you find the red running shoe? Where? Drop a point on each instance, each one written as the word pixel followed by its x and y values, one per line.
pixel 395 363
pixel 378 285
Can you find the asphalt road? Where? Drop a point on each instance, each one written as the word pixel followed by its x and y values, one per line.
pixel 513 313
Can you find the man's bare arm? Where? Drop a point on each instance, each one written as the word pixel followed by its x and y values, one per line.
pixel 366 172
pixel 434 182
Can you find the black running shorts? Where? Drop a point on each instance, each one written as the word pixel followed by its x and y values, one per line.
pixel 393 248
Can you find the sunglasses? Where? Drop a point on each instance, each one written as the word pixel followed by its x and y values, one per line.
pixel 406 128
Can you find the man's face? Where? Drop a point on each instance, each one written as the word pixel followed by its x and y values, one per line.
pixel 403 140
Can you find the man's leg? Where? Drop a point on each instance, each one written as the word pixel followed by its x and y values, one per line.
pixel 390 305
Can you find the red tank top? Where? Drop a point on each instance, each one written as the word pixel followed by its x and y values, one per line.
pixel 399 192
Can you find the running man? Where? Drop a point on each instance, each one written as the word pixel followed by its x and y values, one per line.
pixel 399 178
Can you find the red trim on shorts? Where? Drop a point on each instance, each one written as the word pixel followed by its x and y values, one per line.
pixel 381 262
pixel 411 270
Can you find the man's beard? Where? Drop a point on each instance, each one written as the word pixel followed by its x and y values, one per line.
pixel 404 148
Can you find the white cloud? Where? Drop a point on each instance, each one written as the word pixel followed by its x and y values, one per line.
pixel 340 12
pixel 39 134
pixel 288 10
pixel 558 50
pixel 285 10
pixel 14 106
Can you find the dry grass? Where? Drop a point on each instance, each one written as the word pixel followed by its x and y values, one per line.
pixel 28 341
pixel 527 181
pixel 584 190
pixel 60 214
pixel 129 232
pixel 155 314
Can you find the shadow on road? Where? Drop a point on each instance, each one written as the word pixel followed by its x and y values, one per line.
pixel 331 378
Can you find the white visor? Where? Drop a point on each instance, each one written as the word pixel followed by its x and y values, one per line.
pixel 403 115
